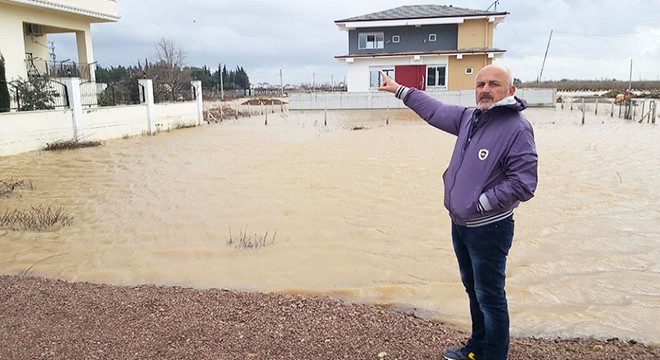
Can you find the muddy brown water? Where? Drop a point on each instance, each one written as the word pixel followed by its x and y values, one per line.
pixel 353 209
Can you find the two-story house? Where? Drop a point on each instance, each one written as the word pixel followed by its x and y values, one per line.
pixel 24 29
pixel 422 46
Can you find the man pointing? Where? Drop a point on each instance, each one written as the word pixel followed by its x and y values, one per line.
pixel 492 169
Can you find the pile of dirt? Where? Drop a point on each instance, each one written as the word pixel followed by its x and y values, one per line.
pixel 263 101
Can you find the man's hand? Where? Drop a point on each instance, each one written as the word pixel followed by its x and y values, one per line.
pixel 388 84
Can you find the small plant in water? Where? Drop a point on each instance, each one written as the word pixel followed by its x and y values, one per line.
pixel 70 144
pixel 37 218
pixel 180 125
pixel 254 241
pixel 9 185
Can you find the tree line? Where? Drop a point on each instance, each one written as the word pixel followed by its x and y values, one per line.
pixel 170 74
pixel 170 68
pixel 236 79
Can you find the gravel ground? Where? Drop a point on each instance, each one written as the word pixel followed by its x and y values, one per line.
pixel 53 319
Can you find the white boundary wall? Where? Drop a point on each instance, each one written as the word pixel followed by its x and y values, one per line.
pixel 28 131
pixel 380 100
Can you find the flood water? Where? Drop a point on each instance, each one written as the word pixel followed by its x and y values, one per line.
pixel 354 210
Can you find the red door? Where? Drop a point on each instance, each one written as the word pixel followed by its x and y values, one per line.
pixel 411 76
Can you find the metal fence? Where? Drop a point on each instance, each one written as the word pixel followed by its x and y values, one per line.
pixel 101 94
pixel 37 93
pixel 173 92
pixel 60 69
pixel 131 92
pixel 639 110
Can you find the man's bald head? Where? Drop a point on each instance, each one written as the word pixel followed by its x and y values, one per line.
pixel 494 83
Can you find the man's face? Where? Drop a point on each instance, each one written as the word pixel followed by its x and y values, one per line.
pixel 492 86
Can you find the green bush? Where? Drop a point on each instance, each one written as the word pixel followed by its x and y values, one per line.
pixel 35 94
pixel 5 101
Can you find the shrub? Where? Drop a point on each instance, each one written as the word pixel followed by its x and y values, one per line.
pixel 35 94
pixel 7 186
pixel 70 144
pixel 5 100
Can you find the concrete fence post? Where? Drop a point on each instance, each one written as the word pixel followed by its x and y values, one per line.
pixel 596 111
pixel 197 85
pixel 148 86
pixel 75 102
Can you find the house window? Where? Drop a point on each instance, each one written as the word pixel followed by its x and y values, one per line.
pixel 375 79
pixel 371 41
pixel 396 38
pixel 469 70
pixel 432 37
pixel 436 76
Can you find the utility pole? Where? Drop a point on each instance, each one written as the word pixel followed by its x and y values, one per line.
pixel 313 82
pixel 281 84
pixel 630 79
pixel 544 57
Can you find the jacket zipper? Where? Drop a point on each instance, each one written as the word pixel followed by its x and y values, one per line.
pixel 460 164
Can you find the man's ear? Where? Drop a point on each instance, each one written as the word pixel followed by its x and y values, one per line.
pixel 512 90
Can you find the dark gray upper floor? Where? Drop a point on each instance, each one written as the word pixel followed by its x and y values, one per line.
pixel 403 39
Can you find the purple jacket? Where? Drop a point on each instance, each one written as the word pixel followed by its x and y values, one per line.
pixel 494 165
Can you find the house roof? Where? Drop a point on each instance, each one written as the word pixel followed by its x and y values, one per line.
pixel 106 13
pixel 421 12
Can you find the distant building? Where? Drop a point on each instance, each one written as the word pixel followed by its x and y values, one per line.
pixel 422 46
pixel 24 29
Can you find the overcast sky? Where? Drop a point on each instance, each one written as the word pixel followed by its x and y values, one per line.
pixel 592 39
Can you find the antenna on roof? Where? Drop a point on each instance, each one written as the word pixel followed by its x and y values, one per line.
pixel 494 4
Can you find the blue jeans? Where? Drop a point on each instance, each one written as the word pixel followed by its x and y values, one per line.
pixel 481 253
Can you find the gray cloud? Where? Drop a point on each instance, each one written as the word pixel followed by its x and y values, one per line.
pixel 300 36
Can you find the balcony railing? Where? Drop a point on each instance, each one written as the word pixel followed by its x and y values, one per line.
pixel 60 69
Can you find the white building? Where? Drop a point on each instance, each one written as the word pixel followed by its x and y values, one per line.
pixel 24 29
pixel 434 47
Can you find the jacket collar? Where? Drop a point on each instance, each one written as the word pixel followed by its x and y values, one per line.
pixel 512 102
pixel 509 100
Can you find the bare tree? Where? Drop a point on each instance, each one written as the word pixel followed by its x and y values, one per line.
pixel 171 76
